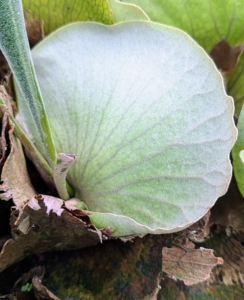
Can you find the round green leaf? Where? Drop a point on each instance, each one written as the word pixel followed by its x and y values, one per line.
pixel 151 125
pixel 207 22
pixel 58 13
pixel 126 12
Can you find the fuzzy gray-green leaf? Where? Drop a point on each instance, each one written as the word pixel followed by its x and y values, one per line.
pixel 15 47
pixel 152 126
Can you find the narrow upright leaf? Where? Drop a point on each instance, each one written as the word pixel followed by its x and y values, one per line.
pixel 14 45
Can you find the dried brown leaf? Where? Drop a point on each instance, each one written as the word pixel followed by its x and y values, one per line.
pixel 107 231
pixel 43 225
pixel 196 233
pixel 200 230
pixel 27 277
pixel 225 56
pixel 190 265
pixel 40 291
pixel 35 29
pixel 15 175
pixel 15 179
pixel 6 126
pixel 4 141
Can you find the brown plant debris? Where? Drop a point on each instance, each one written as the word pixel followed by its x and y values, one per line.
pixel 200 230
pixel 15 181
pixel 43 224
pixel 197 233
pixel 225 56
pixel 6 126
pixel 226 281
pixel 40 291
pixel 229 209
pixel 228 244
pixel 35 29
pixel 190 265
pixel 27 277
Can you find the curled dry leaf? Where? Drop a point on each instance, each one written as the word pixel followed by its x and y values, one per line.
pixel 15 175
pixel 27 277
pixel 40 291
pixel 6 126
pixel 34 28
pixel 196 233
pixel 15 180
pixel 226 57
pixel 190 265
pixel 44 224
pixel 199 231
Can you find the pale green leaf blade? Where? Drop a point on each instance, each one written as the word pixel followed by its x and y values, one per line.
pixel 58 13
pixel 207 22
pixel 126 12
pixel 152 127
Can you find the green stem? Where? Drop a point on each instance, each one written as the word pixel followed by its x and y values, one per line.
pixel 64 162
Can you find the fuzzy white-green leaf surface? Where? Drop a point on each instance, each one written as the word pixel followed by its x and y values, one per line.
pixel 144 108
